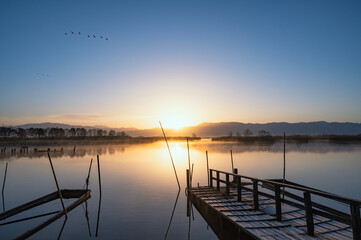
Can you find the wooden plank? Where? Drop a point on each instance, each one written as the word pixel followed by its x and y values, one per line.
pixel 42 200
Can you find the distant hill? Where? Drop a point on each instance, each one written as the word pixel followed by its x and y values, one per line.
pixel 224 128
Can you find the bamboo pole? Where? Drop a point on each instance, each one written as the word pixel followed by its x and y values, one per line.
pixel 87 179
pixel 165 138
pixel 189 161
pixel 207 166
pixel 232 162
pixel 2 192
pixel 284 164
pixel 57 186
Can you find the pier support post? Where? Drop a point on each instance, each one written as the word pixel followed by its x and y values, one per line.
pixel 309 214
pixel 218 186
pixel 227 184
pixel 278 203
pixel 235 171
pixel 355 220
pixel 210 180
pixel 239 189
pixel 255 194
pixel 187 173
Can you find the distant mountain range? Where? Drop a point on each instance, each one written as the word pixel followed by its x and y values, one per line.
pixel 225 128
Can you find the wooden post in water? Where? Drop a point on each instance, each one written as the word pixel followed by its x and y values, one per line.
pixel 239 189
pixel 188 178
pixel 232 161
pixel 355 220
pixel 284 164
pixel 210 180
pixel 2 192
pixel 189 164
pixel 278 203
pixel 309 214
pixel 227 184
pixel 57 186
pixel 207 168
pixel 218 186
pixel 87 179
pixel 255 194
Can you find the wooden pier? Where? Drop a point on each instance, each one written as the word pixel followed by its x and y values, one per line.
pixel 242 207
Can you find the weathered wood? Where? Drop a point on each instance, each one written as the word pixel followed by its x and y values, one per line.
pixel 218 181
pixel 210 179
pixel 31 232
pixel 278 203
pixel 42 200
pixel 255 194
pixel 309 214
pixel 355 220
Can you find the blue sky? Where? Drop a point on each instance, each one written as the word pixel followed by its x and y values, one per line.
pixel 181 62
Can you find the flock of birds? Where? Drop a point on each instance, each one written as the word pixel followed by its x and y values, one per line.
pixel 89 35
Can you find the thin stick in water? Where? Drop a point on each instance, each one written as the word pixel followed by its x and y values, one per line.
pixel 165 138
pixel 232 162
pixel 207 166
pixel 284 164
pixel 57 186
pixel 2 192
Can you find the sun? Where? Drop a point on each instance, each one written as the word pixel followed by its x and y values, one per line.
pixel 175 120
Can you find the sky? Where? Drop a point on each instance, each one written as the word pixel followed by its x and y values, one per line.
pixel 179 62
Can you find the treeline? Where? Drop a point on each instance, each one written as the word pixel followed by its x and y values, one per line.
pixel 8 132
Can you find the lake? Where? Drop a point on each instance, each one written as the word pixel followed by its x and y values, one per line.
pixel 139 188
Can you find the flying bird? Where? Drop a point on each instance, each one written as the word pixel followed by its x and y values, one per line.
pixel 79 33
pixel 106 39
pixel 88 36
pixel 72 32
pixel 94 36
pixel 66 33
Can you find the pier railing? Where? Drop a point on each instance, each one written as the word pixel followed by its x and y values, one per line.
pixel 277 188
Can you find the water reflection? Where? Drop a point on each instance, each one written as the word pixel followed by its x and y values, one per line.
pixel 138 182
pixel 171 218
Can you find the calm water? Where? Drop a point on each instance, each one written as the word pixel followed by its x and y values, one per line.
pixel 139 188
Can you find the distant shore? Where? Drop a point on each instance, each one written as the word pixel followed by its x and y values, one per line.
pixel 292 138
pixel 46 141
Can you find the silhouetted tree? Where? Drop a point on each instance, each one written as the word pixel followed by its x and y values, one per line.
pixel 40 132
pixel 230 134
pixel 72 132
pixel 99 132
pixel 21 132
pixel 112 133
pixel 263 133
pixel 247 133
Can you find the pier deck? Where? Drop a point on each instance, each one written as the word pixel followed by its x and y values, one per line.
pixel 237 211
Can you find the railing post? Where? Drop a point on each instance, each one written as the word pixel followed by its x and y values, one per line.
pixel 218 186
pixel 210 178
pixel 235 171
pixel 355 220
pixel 227 184
pixel 278 203
pixel 187 173
pixel 239 189
pixel 309 214
pixel 255 194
